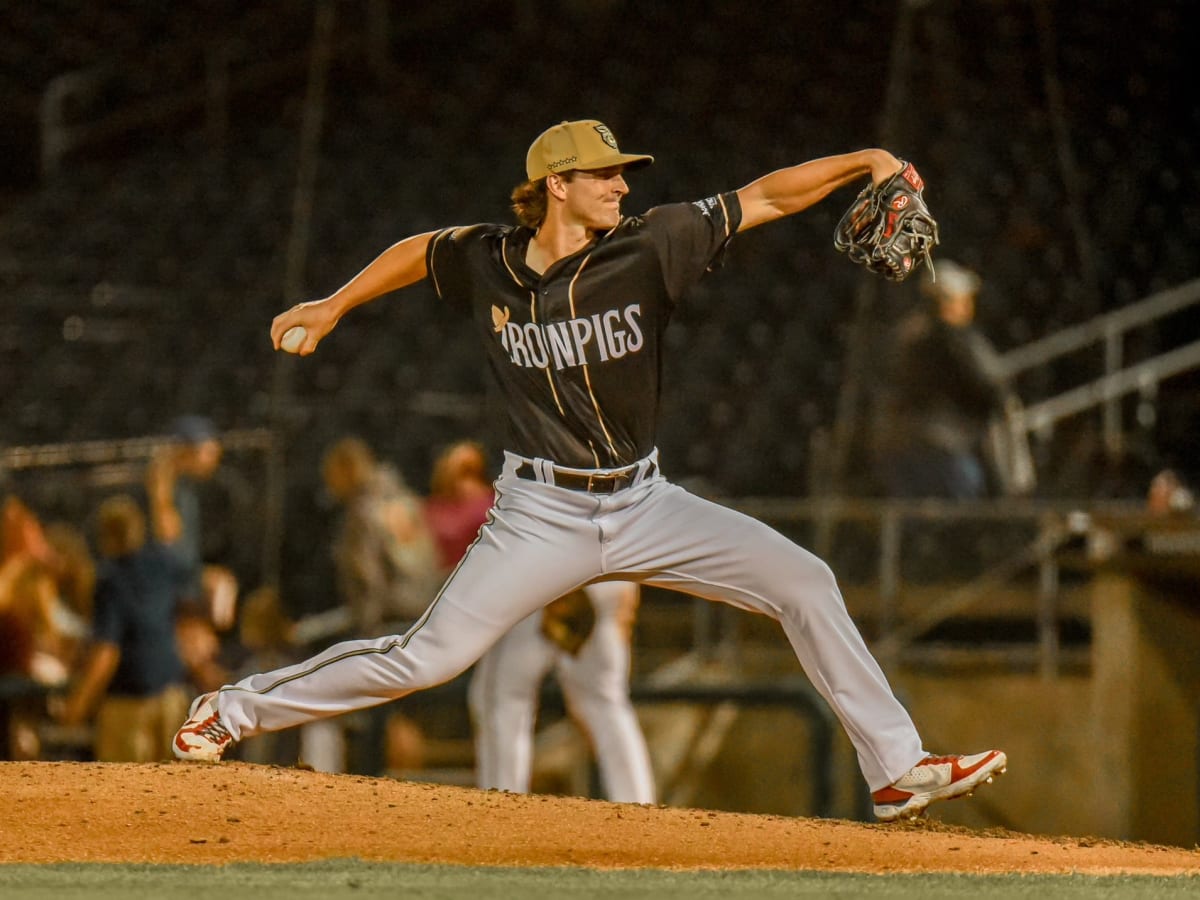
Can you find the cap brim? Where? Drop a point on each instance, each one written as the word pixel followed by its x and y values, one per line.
pixel 628 160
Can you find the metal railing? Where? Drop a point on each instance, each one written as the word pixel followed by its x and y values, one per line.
pixel 1049 522
pixel 118 450
pixel 1118 380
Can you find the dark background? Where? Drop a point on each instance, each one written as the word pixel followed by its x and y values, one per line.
pixel 139 272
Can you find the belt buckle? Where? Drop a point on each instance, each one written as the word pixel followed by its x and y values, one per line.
pixel 604 483
pixel 618 481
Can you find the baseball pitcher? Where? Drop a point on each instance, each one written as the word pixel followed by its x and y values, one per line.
pixel 570 308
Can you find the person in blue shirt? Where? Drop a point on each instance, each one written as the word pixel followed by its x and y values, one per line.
pixel 133 675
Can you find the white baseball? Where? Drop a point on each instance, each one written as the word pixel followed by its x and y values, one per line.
pixel 293 338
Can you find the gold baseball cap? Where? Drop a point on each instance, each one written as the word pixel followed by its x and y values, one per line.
pixel 585 144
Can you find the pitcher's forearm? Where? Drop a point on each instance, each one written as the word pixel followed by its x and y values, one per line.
pixel 397 267
pixel 796 188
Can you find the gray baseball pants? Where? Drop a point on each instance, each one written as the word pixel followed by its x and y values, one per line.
pixel 542 541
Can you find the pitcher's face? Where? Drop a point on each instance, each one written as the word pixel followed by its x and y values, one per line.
pixel 594 197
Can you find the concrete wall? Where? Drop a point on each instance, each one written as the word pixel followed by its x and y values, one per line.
pixel 1109 753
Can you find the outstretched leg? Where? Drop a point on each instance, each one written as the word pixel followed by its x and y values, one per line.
pixel 693 545
pixel 524 557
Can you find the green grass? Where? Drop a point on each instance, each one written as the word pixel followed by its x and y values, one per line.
pixel 339 879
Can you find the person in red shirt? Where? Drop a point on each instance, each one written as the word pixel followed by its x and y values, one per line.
pixel 460 495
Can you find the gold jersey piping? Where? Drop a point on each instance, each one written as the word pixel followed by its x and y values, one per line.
pixel 587 378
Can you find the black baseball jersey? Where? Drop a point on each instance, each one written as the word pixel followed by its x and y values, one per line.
pixel 576 352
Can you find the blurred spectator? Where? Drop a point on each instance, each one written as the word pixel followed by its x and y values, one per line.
pixel 21 533
pixel 584 638
pixel 134 673
pixel 201 651
pixel 265 634
pixel 1168 495
pixel 173 481
pixel 37 629
pixel 387 574
pixel 21 700
pixel 459 499
pixel 942 427
pixel 383 550
pixel 265 631
pixel 172 484
pixel 17 620
pixel 74 572
pixel 36 643
pixel 17 535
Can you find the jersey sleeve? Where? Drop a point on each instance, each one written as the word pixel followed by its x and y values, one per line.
pixel 451 257
pixel 691 238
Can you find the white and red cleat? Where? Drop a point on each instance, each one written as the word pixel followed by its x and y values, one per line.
pixel 936 778
pixel 202 737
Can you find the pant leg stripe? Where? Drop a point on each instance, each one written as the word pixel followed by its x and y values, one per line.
pixel 401 642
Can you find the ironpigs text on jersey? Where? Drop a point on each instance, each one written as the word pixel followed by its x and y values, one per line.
pixel 587 340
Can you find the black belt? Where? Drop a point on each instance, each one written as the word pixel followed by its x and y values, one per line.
pixel 600 483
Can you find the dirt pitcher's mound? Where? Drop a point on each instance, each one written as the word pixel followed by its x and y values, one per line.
pixel 234 812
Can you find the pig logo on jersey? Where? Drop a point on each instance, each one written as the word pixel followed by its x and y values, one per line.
pixel 499 319
pixel 583 341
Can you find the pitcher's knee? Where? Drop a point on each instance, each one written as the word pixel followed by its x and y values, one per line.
pixel 823 577
pixel 781 559
pixel 798 566
pixel 809 585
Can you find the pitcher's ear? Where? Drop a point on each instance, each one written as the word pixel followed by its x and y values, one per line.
pixel 556 185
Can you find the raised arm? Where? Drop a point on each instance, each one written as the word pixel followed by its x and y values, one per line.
pixel 400 265
pixel 787 191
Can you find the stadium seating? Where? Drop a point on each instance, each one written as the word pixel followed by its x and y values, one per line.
pixel 194 238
